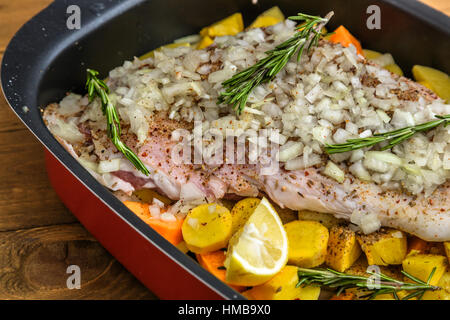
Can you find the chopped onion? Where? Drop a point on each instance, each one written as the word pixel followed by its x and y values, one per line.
pixel 359 171
pixel 368 222
pixel 189 39
pixel 154 210
pixel 193 223
pixel 334 172
pixel 321 100
pixel 384 60
pixel 290 150
pixel 381 161
pixel 90 165
pixel 167 216
pixel 158 202
pixel 106 166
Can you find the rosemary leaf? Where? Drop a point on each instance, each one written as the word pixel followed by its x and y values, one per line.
pixel 386 285
pixel 98 88
pixel 392 137
pixel 239 87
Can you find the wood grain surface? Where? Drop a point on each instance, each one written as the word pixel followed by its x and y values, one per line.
pixel 39 237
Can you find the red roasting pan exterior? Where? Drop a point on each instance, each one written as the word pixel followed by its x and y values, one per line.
pixel 45 59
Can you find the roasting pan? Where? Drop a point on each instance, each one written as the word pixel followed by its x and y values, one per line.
pixel 45 59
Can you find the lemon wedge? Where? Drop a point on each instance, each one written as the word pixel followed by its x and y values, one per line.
pixel 259 250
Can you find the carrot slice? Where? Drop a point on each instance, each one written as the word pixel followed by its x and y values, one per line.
pixel 343 296
pixel 170 230
pixel 214 263
pixel 343 36
pixel 417 245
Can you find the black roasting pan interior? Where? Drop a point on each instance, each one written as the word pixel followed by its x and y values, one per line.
pixel 45 59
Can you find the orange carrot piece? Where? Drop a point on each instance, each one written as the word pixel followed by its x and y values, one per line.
pixel 418 245
pixel 170 230
pixel 214 263
pixel 343 296
pixel 343 36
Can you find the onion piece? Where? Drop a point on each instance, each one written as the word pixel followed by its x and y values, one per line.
pixel 111 165
pixel 381 161
pixel 359 171
pixel 334 172
pixel 290 150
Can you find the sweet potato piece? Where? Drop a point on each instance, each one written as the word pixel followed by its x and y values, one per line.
pixel 343 296
pixel 384 247
pixel 170 230
pixel 417 245
pixel 343 248
pixel 214 263
pixel 343 36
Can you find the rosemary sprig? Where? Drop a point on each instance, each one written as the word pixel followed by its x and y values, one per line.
pixel 393 137
pixel 238 88
pixel 97 87
pixel 387 285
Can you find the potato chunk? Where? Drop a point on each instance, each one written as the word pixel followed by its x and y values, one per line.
pixel 343 248
pixel 394 68
pixel 283 287
pixel 443 293
pixel 447 249
pixel 151 54
pixel 384 60
pixel 241 211
pixel 327 219
pixel 421 265
pixel 207 228
pixel 229 26
pixel 286 215
pixel 205 42
pixel 437 80
pixel 307 243
pixel 147 196
pixel 384 247
pixel 268 18
pixel 370 54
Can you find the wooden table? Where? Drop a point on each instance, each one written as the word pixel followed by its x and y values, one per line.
pixel 39 237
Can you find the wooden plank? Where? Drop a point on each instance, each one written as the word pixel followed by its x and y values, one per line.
pixel 26 197
pixel 8 120
pixel 15 13
pixel 34 262
pixel 441 5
